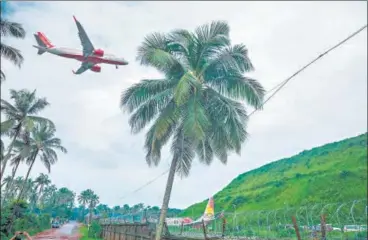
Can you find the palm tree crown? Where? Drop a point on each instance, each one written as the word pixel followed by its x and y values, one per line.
pixel 199 100
pixel 10 29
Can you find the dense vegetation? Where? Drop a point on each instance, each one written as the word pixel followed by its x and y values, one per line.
pixel 335 172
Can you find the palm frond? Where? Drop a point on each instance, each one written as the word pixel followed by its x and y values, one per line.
pixel 12 29
pixel 159 134
pixel 204 151
pixel 182 149
pixel 42 120
pixel 6 127
pixel 232 58
pixel 143 91
pixel 7 107
pixel 148 110
pixel 211 38
pixel 194 118
pixel 186 85
pixel 228 115
pixel 2 76
pixel 12 54
pixel 239 87
pixel 38 106
pixel 154 52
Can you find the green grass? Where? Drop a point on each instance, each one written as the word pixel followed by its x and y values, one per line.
pixel 335 172
pixel 84 234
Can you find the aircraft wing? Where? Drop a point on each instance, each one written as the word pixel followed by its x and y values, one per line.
pixel 86 43
pixel 84 67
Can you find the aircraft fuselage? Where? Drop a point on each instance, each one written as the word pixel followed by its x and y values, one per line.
pixel 78 55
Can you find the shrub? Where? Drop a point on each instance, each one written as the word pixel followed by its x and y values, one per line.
pixel 95 230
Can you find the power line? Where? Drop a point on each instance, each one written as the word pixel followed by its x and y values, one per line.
pixel 277 88
pixel 309 64
pixel 146 184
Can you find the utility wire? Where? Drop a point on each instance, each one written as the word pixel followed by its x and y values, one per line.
pixel 146 184
pixel 277 88
pixel 309 64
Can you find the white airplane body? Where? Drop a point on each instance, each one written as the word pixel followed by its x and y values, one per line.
pixel 89 56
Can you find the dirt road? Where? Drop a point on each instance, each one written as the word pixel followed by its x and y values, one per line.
pixel 68 231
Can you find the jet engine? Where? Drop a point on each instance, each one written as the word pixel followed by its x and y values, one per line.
pixel 98 52
pixel 96 68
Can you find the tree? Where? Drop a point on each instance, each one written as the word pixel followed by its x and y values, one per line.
pixel 41 181
pixel 21 117
pixel 42 144
pixel 18 157
pixel 83 198
pixel 10 29
pixel 92 203
pixel 88 197
pixel 197 104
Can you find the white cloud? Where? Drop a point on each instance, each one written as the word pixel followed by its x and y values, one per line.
pixel 325 103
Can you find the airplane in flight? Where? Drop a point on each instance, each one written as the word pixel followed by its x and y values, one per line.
pixel 89 56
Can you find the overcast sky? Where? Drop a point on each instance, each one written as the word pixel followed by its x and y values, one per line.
pixel 325 103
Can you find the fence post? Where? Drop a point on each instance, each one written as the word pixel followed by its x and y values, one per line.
pixel 135 232
pixel 223 226
pixel 296 227
pixel 323 227
pixel 167 233
pixel 181 228
pixel 204 230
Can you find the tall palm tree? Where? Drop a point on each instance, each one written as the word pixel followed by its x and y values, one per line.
pixel 21 117
pixel 49 195
pixel 199 101
pixel 83 198
pixel 18 156
pixel 42 144
pixel 41 181
pixel 10 29
pixel 7 181
pixel 92 203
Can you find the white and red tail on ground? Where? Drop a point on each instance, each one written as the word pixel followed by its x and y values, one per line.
pixel 209 212
pixel 43 42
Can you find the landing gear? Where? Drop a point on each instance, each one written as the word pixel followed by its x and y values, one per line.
pixel 116 66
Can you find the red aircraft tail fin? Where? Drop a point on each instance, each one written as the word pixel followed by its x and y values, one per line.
pixel 44 40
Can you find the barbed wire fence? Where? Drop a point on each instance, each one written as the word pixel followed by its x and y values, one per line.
pixel 340 221
pixel 343 221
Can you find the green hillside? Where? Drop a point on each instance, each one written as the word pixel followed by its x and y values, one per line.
pixel 335 172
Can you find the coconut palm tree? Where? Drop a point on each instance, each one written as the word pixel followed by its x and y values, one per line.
pixel 18 157
pixel 41 181
pixel 42 145
pixel 10 29
pixel 84 197
pixel 21 117
pixel 49 195
pixel 199 102
pixel 92 203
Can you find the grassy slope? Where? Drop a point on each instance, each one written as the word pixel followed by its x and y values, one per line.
pixel 335 172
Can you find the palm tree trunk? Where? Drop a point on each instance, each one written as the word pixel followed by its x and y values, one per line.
pixel 90 216
pixel 12 181
pixel 39 194
pixel 28 172
pixel 165 204
pixel 7 156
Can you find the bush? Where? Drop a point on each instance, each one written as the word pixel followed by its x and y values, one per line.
pixel 95 230
pixel 15 217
